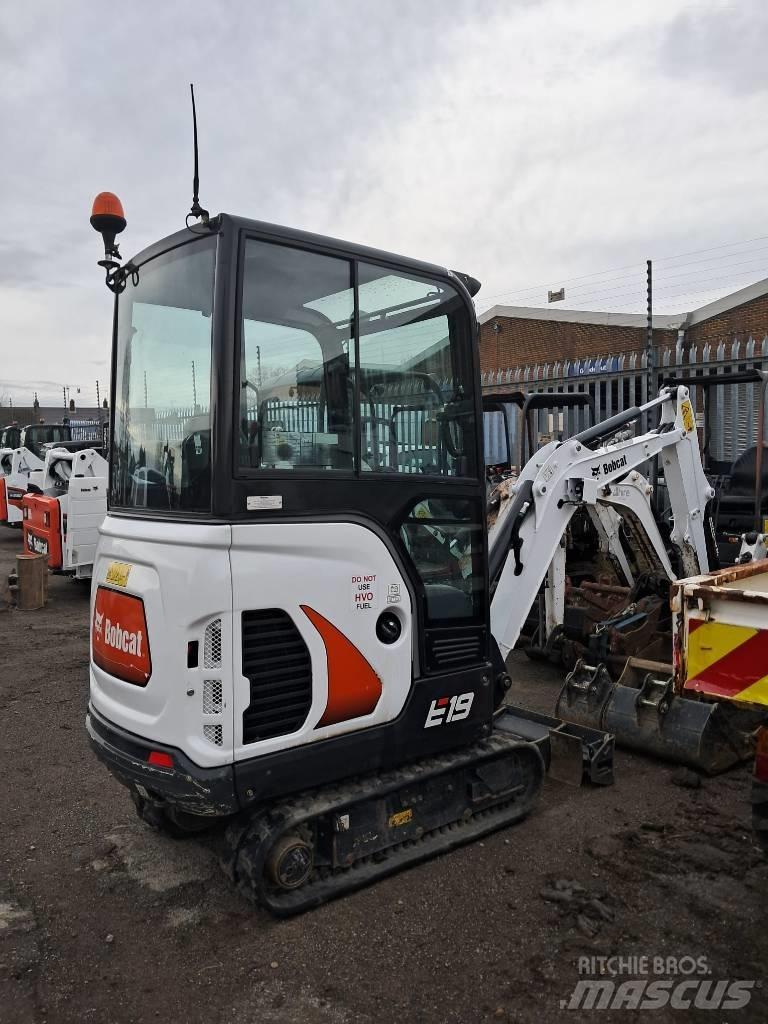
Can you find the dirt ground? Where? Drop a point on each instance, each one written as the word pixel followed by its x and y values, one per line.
pixel 103 920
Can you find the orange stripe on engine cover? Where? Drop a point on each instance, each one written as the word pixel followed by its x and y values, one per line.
pixel 354 688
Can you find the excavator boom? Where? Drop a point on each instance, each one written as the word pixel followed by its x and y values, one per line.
pixel 564 477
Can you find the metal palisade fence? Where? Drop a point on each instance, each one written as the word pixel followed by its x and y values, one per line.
pixel 396 430
pixel 403 429
pixel 86 430
pixel 617 382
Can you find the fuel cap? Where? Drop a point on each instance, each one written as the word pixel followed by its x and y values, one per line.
pixel 388 628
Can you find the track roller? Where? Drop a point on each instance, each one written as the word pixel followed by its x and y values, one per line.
pixel 290 861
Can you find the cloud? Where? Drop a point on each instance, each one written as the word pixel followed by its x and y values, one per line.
pixel 520 142
pixel 720 46
pixel 560 149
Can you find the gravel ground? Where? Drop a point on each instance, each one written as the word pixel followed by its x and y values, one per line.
pixel 103 920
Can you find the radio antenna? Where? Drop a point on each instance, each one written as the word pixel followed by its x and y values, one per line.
pixel 196 210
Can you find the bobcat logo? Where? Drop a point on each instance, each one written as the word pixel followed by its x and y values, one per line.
pixel 98 623
pixel 595 471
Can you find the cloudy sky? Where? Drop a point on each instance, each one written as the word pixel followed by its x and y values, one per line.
pixel 530 143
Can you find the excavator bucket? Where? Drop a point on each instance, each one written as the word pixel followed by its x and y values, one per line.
pixel 572 753
pixel 584 695
pixel 685 731
pixel 644 714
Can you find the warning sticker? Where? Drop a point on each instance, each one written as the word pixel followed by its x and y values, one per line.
pixel 400 818
pixel 117 574
pixel 259 502
pixel 365 592
pixel 688 419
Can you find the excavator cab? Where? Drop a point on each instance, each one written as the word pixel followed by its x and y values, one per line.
pixel 290 611
pixel 293 571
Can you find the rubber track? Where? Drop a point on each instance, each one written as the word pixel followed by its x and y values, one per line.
pixel 250 843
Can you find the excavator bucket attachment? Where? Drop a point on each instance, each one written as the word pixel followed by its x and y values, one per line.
pixel 586 691
pixel 647 715
pixel 572 753
pixel 644 714
pixel 636 669
pixel 652 720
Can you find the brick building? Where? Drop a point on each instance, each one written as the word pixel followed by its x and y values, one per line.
pixel 26 414
pixel 512 336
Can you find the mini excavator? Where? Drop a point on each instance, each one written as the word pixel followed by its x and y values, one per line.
pixel 296 621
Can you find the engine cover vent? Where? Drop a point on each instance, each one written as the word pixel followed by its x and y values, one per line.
pixel 214 734
pixel 455 650
pixel 212 697
pixel 277 663
pixel 212 645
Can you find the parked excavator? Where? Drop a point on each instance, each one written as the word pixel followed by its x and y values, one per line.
pixel 612 613
pixel 643 701
pixel 741 483
pixel 298 622
pixel 515 414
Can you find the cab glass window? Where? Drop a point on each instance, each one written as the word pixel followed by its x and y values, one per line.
pixel 444 540
pixel 416 378
pixel 296 361
pixel 162 417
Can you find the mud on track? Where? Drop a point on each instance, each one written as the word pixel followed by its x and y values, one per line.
pixel 102 920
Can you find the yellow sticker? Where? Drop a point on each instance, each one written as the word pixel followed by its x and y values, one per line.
pixel 118 573
pixel 401 818
pixel 689 420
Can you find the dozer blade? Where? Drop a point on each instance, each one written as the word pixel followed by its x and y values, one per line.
pixel 572 753
pixel 312 848
pixel 566 761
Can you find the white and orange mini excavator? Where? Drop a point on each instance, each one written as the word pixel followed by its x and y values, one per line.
pixel 291 616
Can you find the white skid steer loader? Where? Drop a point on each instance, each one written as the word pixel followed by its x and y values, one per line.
pixel 63 508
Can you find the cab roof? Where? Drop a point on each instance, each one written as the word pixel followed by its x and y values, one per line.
pixel 350 250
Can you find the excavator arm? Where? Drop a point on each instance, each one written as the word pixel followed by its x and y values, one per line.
pixel 564 477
